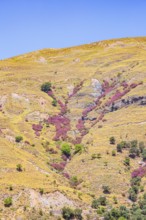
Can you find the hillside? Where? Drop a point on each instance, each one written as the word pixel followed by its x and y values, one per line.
pixel 97 91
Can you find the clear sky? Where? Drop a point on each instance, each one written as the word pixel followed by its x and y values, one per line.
pixel 28 25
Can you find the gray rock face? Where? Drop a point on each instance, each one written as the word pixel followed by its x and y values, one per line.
pixel 97 87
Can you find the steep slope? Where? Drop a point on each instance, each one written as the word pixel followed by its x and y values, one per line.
pixel 99 92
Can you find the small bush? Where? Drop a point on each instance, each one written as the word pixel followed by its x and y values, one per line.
pixel 41 191
pixel 112 140
pixel 106 189
pixel 74 181
pixel 46 87
pixel 18 139
pixel 127 161
pixel 78 214
pixel 67 213
pixel 101 201
pixel 144 154
pixel 119 148
pixel 93 156
pixel 78 148
pixel 19 167
pixel 54 102
pixel 132 195
pixel 115 200
pixel 141 146
pixel 113 153
pixel 8 202
pixel 66 149
pixel 95 204
pixel 11 188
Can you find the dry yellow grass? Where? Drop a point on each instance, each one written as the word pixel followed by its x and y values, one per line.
pixel 21 98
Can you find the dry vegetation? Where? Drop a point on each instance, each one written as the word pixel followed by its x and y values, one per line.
pixel 73 73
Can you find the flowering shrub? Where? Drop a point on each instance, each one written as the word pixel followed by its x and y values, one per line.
pixel 51 150
pixel 80 125
pixel 59 166
pixel 37 129
pixel 140 172
pixel 63 107
pixel 62 125
pixel 124 84
pixel 64 157
pixel 66 175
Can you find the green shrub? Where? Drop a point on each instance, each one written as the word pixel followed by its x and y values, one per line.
pixel 112 140
pixel 141 146
pixel 98 156
pixel 113 153
pixel 78 214
pixel 19 167
pixel 127 161
pixel 11 188
pixel 106 189
pixel 78 148
pixel 41 191
pixel 67 213
pixel 132 195
pixel 144 154
pixel 54 102
pixel 66 149
pixel 18 139
pixel 102 200
pixel 74 181
pixel 8 202
pixel 46 87
pixel 95 204
pixel 119 148
pixel 115 200
pixel 134 151
pixel 135 181
pixel 93 156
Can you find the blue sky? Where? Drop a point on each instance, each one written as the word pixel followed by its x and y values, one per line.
pixel 28 25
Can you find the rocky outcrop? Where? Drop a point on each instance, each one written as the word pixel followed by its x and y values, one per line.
pixel 138 100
